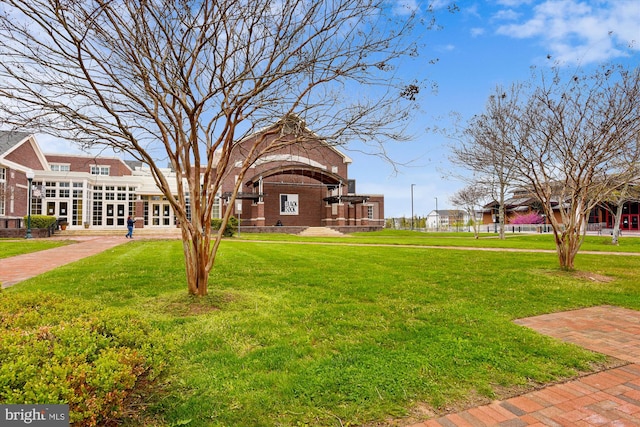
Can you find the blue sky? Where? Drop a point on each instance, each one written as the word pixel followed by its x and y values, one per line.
pixel 486 43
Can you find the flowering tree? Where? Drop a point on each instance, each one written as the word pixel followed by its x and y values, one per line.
pixel 530 218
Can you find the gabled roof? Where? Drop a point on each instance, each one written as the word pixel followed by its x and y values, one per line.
pixel 11 142
pixel 293 121
pixel 9 139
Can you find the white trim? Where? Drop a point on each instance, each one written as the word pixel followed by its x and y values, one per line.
pixel 289 158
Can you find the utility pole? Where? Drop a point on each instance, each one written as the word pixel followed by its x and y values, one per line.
pixel 412 185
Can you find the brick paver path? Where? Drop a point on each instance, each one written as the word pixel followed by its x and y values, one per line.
pixel 609 398
pixel 22 267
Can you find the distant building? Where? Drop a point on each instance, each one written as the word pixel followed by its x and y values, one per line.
pixel 302 185
pixel 522 203
pixel 448 220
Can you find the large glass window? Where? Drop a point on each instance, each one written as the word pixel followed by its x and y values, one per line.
pixel 64 189
pixel 3 186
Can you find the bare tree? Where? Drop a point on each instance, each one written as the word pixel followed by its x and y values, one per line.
pixel 183 81
pixel 481 149
pixel 576 144
pixel 470 200
pixel 629 191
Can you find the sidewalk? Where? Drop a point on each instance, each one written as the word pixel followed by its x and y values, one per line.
pixel 22 267
pixel 608 398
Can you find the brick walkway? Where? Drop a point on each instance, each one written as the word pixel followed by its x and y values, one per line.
pixel 609 398
pixel 22 267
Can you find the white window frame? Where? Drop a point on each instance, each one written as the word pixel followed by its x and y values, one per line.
pixel 100 170
pixel 60 167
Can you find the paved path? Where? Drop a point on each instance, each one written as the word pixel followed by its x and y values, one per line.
pixel 608 398
pixel 22 267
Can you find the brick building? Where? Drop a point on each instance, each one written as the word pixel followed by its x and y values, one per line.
pixel 302 185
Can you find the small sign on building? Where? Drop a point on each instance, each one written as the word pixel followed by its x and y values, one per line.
pixel 288 204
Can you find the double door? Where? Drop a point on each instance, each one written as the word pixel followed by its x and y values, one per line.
pixel 115 214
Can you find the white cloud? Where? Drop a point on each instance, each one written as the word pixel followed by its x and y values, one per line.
pixel 513 3
pixel 476 32
pixel 580 31
pixel 507 15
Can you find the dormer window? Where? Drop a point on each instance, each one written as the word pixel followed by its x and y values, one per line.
pixel 60 167
pixel 99 170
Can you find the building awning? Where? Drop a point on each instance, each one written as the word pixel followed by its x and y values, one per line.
pixel 240 195
pixel 348 199
pixel 325 177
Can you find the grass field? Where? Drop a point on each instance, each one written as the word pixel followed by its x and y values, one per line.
pixel 13 247
pixel 333 335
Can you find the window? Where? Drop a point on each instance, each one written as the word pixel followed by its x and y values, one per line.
pixel 370 212
pixel 50 189
pixel 99 170
pixel 64 189
pixel 3 184
pixel 122 195
pixel 60 167
pixel 215 212
pixel 109 195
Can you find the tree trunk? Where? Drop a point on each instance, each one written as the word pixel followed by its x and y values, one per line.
pixel 197 253
pixel 616 224
pixel 501 216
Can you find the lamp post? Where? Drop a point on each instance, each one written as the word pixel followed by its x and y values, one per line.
pixel 30 176
pixel 437 217
pixel 412 185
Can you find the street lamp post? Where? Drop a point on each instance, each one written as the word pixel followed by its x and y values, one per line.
pixel 412 185
pixel 30 176
pixel 437 217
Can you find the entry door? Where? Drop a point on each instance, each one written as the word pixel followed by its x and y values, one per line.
pixel 625 222
pixel 121 215
pixel 160 214
pixel 110 214
pixel 51 208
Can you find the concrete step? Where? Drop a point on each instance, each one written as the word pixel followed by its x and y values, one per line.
pixel 320 232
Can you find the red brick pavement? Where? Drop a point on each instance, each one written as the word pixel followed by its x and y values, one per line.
pixel 22 267
pixel 609 398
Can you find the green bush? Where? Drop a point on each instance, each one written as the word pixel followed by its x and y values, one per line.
pixel 41 221
pixel 229 230
pixel 57 352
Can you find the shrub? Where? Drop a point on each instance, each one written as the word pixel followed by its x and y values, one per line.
pixel 41 221
pixel 54 352
pixel 229 230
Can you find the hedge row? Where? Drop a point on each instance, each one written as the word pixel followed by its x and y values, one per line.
pixel 41 221
pixel 66 352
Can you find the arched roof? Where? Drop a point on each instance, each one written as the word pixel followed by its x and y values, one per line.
pixel 325 177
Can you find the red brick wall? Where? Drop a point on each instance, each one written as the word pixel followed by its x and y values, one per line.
pixel 310 205
pixel 18 184
pixel 83 164
pixel 25 155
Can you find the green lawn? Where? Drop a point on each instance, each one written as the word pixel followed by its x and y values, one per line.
pixel 329 335
pixel 11 247
pixel 486 240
